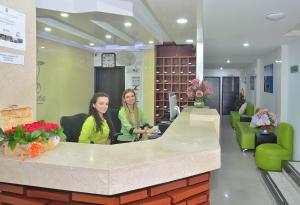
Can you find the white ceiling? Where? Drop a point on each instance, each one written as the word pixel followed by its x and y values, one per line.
pixel 227 24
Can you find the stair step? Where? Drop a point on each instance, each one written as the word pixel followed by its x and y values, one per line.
pixel 281 187
pixel 292 168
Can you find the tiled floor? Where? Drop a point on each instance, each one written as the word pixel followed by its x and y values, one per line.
pixel 238 181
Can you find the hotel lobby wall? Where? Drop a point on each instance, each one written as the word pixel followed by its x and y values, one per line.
pixel 250 94
pixel 139 64
pixel 17 82
pixel 66 78
pixel 267 100
pixel 149 84
pixel 293 97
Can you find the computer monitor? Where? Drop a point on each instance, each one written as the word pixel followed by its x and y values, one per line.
pixel 174 109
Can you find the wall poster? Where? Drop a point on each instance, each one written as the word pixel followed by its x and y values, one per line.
pixel 268 78
pixel 12 28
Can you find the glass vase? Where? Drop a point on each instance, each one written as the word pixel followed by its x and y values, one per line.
pixel 199 103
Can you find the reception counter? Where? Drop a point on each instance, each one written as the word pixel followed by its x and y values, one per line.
pixel 185 153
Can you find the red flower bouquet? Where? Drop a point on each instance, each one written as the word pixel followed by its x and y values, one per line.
pixel 31 139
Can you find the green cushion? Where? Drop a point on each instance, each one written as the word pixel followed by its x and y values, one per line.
pixel 245 135
pixel 249 109
pixel 235 116
pixel 270 156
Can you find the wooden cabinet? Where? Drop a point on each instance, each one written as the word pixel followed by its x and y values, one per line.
pixel 173 74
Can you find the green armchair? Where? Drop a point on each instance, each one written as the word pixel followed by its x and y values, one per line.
pixel 235 116
pixel 269 156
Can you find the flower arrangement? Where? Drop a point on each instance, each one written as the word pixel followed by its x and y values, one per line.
pixel 199 91
pixel 32 139
pixel 263 118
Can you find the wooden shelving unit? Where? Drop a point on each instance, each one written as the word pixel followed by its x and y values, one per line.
pixel 173 74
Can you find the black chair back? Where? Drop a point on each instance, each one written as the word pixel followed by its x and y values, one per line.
pixel 114 116
pixel 72 126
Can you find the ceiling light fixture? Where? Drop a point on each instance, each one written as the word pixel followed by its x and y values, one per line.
pixel 189 40
pixel 228 61
pixel 65 15
pixel 151 42
pixel 42 46
pixel 48 29
pixel 127 24
pixel 275 16
pixel 246 44
pixel 278 61
pixel 108 36
pixel 92 44
pixel 181 21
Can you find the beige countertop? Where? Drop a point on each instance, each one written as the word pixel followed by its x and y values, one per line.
pixel 190 146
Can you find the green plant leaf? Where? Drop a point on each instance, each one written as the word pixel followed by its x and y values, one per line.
pixel 1 133
pixel 12 144
pixel 35 135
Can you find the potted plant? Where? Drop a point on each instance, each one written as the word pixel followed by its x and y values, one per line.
pixel 199 92
pixel 31 139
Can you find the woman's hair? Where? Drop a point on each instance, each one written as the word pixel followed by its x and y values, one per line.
pixel 94 112
pixel 135 108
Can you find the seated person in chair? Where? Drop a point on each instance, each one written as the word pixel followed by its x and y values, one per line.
pixel 97 127
pixel 133 122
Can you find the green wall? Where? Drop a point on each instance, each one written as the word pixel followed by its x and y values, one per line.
pixel 149 85
pixel 66 79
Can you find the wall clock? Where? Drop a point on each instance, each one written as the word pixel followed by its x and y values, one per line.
pixel 108 60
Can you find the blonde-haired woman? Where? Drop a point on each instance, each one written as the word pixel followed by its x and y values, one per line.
pixel 132 119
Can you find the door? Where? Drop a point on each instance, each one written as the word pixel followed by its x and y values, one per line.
pixel 230 90
pixel 213 101
pixel 112 82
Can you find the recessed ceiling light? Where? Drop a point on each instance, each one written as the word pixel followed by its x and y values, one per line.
pixel 181 21
pixel 65 15
pixel 228 61
pixel 221 68
pixel 127 24
pixel 246 44
pixel 151 42
pixel 278 61
pixel 42 46
pixel 275 16
pixel 108 36
pixel 47 29
pixel 189 40
pixel 91 44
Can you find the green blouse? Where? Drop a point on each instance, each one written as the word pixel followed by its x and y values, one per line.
pixel 126 126
pixel 88 132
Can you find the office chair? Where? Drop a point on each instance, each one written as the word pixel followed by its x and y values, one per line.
pixel 72 126
pixel 114 116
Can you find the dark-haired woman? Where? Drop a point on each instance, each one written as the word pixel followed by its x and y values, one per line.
pixel 97 128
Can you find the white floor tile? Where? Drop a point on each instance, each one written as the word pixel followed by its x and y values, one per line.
pixel 238 181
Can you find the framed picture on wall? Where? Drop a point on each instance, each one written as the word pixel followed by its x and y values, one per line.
pixel 252 82
pixel 268 78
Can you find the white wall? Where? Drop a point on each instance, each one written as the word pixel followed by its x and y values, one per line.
pixel 270 101
pixel 293 111
pixel 250 94
pixel 18 82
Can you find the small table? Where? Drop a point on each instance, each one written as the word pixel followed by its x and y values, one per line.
pixel 245 118
pixel 261 138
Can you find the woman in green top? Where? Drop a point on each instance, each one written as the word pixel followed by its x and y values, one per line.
pixel 97 127
pixel 132 119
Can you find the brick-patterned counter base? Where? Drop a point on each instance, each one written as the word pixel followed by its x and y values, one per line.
pixel 189 191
